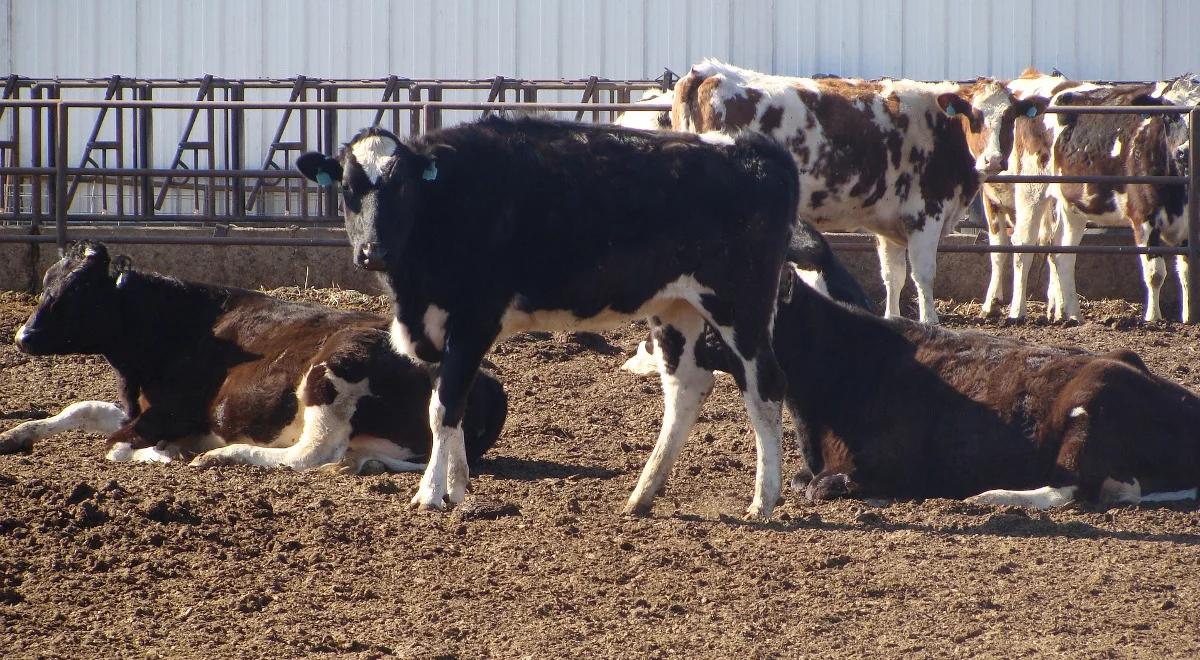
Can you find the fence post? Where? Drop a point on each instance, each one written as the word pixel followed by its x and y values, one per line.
pixel 1193 301
pixel 60 177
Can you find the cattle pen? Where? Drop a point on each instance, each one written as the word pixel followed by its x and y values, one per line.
pixel 71 162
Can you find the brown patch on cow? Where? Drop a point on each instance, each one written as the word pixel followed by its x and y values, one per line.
pixel 318 389
pixel 740 110
pixel 772 119
pixel 854 144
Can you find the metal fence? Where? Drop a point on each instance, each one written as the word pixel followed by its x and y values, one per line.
pixel 235 194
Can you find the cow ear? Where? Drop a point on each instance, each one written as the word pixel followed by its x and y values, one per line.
pixel 954 105
pixel 120 265
pixel 435 162
pixel 319 168
pixel 1032 106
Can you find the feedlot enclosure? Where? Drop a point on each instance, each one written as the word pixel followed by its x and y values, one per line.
pixel 51 182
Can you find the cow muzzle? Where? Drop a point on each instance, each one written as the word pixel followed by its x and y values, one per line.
pixel 370 256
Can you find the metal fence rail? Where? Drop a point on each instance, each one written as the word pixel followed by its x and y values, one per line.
pixel 51 119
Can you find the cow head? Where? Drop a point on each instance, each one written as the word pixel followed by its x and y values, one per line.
pixel 77 311
pixel 989 111
pixel 379 178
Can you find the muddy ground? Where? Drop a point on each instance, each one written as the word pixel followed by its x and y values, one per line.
pixel 107 560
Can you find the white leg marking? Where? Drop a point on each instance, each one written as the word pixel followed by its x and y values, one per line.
pixel 324 439
pixel 1045 497
pixel 1119 492
pixel 1185 294
pixel 1170 496
pixel 922 258
pixel 892 266
pixel 1154 271
pixel 683 393
pixel 994 293
pixel 87 416
pixel 448 454
pixel 642 363
pixel 767 419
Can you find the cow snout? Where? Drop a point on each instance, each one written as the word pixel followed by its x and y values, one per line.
pixel 22 339
pixel 991 164
pixel 369 257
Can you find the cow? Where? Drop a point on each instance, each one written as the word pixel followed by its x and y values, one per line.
pixel 506 225
pixel 888 156
pixel 1122 144
pixel 224 375
pixel 897 409
pixel 647 120
pixel 1023 213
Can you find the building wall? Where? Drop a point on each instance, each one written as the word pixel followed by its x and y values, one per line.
pixel 618 39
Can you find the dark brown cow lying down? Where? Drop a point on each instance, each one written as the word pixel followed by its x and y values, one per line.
pixel 900 409
pixel 238 374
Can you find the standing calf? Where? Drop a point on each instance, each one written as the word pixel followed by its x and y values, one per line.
pixel 504 226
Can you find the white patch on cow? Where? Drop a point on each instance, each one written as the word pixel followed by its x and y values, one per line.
pixel 1046 497
pixel 716 137
pixel 1078 411
pixel 1170 496
pixel 373 153
pixel 685 288
pixel 435 326
pixel 123 452
pixel 1119 492
pixel 402 341
pixel 1116 149
pixel 87 416
pixel 814 279
pixel 648 120
pixel 643 363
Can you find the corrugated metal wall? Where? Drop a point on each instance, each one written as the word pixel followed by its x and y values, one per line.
pixel 1112 39
pixel 619 39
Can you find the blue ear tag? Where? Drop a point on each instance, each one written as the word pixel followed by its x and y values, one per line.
pixel 950 111
pixel 430 172
pixel 323 179
pixel 1032 111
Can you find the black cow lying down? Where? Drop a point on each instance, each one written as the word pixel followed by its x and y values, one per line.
pixel 493 228
pixel 235 376
pixel 893 408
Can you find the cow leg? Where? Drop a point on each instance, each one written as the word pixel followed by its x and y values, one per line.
pixel 447 474
pixel 1025 232
pixel 685 386
pixel 892 267
pixel 1185 294
pixel 922 258
pixel 327 404
pixel 763 386
pixel 86 416
pixel 1046 497
pixel 997 236
pixel 1154 271
pixel 1071 229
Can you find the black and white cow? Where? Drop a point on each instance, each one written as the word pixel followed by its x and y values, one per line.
pixel 234 376
pixel 502 226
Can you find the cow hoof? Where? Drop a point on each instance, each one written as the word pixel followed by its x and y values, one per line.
pixel 828 486
pixel 208 460
pixel 372 467
pixel 15 443
pixel 759 511
pixel 637 509
pixel 799 482
pixel 424 503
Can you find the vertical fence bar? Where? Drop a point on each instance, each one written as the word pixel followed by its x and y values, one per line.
pixel 1193 301
pixel 35 224
pixel 60 177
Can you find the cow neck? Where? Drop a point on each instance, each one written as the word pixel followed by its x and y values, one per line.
pixel 160 316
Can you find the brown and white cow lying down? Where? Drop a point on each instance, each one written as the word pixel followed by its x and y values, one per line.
pixel 235 376
pixel 893 408
pixel 888 156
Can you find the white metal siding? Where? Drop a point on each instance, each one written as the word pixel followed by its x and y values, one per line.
pixel 618 39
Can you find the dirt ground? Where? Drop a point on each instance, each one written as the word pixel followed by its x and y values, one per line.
pixel 107 560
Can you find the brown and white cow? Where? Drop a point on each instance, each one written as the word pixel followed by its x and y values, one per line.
pixel 888 156
pixel 1124 144
pixel 234 376
pixel 1023 213
pixel 892 408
